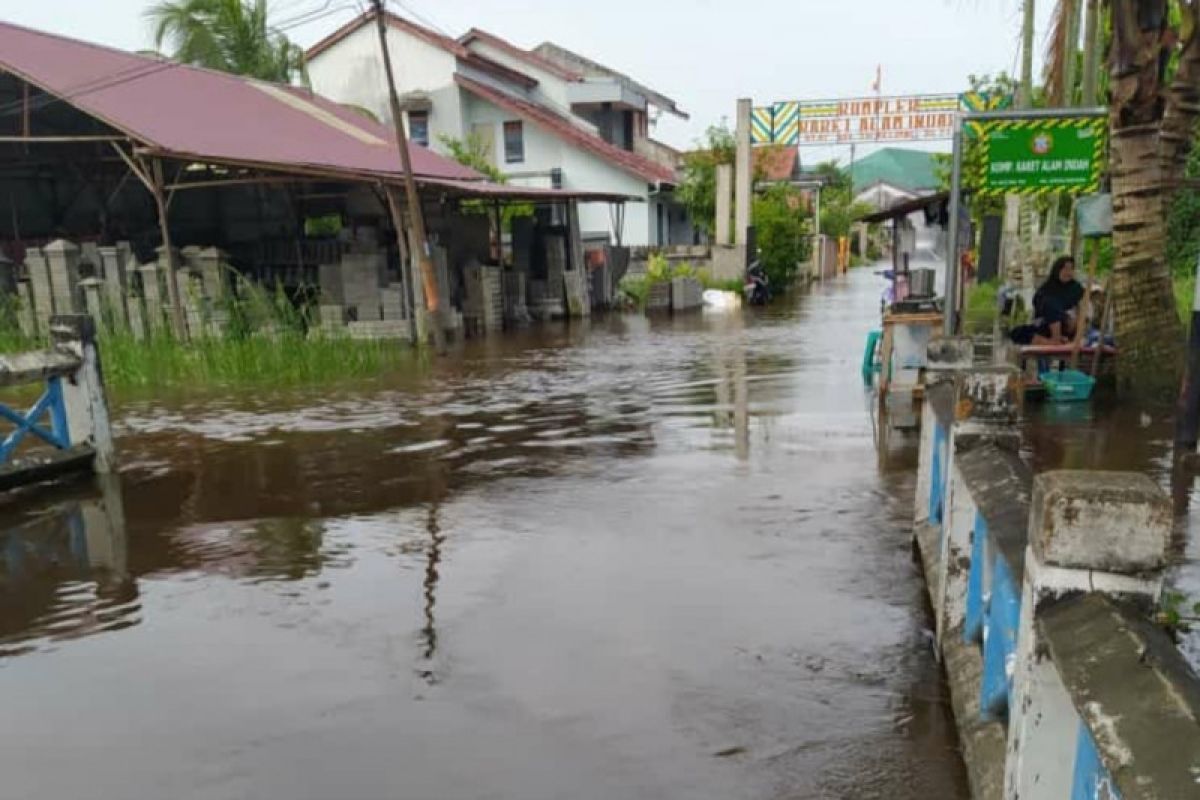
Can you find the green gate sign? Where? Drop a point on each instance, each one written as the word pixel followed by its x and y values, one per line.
pixel 1042 156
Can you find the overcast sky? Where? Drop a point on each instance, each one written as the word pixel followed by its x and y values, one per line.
pixel 702 53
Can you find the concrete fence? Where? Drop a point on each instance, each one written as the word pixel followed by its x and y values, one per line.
pixel 1042 589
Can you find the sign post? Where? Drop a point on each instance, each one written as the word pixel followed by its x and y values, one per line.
pixel 1033 151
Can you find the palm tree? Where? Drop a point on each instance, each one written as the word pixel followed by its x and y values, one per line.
pixel 1152 117
pixel 227 35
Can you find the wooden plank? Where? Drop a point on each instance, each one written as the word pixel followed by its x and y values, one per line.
pixel 20 368
pixel 925 318
pixel 43 466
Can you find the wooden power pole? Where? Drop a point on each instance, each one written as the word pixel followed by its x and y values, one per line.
pixel 416 217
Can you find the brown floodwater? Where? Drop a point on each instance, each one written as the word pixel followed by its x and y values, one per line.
pixel 626 559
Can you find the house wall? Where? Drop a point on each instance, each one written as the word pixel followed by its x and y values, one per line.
pixel 551 89
pixel 351 71
pixel 580 170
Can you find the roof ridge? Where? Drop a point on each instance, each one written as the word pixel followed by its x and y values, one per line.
pixel 158 58
pixel 523 53
pixel 435 38
pixel 640 165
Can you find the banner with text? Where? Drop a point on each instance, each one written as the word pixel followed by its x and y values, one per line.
pixel 860 119
pixel 1041 156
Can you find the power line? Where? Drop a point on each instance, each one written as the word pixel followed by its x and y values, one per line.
pixel 143 70
pixel 423 19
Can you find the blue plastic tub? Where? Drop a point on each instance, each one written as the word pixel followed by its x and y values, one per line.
pixel 1068 385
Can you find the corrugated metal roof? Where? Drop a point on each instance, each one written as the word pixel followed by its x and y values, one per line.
pixel 487 190
pixel 913 170
pixel 543 117
pixel 201 114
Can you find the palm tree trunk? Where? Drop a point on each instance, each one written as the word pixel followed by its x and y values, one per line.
pixel 1147 325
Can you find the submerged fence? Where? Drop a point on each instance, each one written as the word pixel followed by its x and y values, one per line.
pixel 1042 589
pixel 70 417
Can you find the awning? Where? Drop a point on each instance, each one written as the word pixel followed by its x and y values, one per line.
pixel 185 112
pixel 907 207
pixel 532 194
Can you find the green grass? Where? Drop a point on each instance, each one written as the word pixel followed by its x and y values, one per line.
pixel 283 359
pixel 980 311
pixel 268 341
pixel 1185 288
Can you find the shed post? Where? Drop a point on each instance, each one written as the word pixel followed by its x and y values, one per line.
pixel 1089 532
pixel 156 188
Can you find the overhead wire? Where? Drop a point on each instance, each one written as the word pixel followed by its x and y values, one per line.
pixel 143 70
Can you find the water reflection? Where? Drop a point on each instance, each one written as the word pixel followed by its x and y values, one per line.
pixel 432 562
pixel 64 571
pixel 574 562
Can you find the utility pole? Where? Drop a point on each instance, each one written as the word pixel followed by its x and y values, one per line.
pixel 1025 90
pixel 1091 53
pixel 416 218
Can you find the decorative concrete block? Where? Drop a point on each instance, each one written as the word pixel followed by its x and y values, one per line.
pixel 993 394
pixel 26 317
pixel 214 273
pixel 116 284
pixel 686 294
pixel 42 292
pixel 1116 522
pixel 659 298
pixel 93 297
pixel 136 314
pixel 950 352
pixel 516 309
pixel 62 266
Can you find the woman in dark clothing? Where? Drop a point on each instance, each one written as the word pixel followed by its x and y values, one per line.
pixel 1054 307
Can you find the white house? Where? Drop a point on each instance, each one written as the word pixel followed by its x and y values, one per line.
pixel 546 117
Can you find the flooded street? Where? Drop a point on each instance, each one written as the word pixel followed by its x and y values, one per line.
pixel 636 559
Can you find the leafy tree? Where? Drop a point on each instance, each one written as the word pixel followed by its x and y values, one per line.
pixel 473 152
pixel 781 232
pixel 698 189
pixel 838 209
pixel 227 35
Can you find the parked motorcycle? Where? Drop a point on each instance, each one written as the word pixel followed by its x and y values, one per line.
pixel 757 289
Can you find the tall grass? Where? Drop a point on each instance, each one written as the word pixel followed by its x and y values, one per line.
pixel 267 341
pixel 284 358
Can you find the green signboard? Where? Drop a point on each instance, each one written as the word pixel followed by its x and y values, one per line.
pixel 1040 156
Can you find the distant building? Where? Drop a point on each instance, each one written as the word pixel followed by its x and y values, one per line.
pixel 893 175
pixel 545 117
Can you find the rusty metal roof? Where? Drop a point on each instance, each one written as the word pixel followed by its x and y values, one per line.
pixel 188 112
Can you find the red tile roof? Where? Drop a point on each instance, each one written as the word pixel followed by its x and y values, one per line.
pixel 775 163
pixel 528 56
pixel 650 171
pixel 192 113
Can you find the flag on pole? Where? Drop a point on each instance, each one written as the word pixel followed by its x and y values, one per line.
pixel 878 84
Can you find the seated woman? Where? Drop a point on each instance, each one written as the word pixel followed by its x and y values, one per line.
pixel 1055 307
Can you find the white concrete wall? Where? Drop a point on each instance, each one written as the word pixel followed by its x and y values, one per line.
pixel 551 89
pixel 351 71
pixel 581 170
